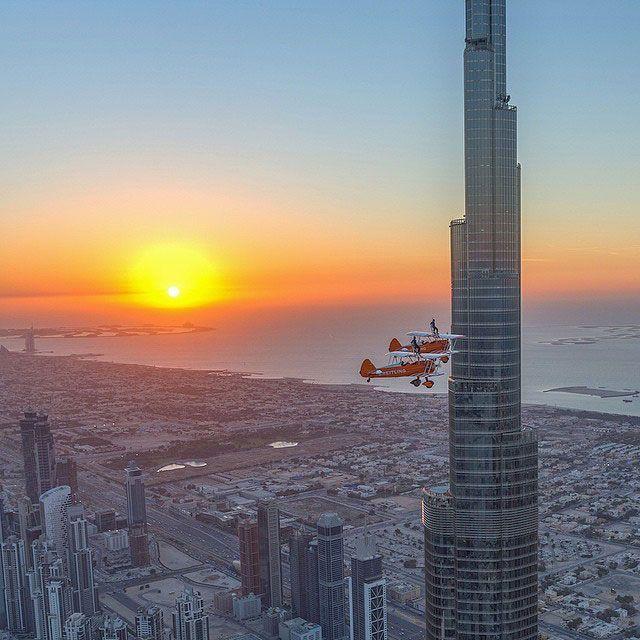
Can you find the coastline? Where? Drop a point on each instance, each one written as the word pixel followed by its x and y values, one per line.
pixel 261 377
pixel 107 413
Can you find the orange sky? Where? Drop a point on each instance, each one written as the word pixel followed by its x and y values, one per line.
pixel 75 249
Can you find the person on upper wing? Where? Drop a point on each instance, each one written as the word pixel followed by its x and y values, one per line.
pixel 434 328
pixel 415 344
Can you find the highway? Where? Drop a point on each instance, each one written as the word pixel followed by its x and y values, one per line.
pixel 196 538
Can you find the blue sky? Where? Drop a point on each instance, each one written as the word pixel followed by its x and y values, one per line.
pixel 355 104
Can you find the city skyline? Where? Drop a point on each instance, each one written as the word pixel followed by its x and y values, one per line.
pixel 165 152
pixel 213 209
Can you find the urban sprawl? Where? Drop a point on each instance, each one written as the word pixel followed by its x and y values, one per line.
pixel 156 503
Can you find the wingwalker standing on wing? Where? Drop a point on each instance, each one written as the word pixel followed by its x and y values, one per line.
pixel 420 359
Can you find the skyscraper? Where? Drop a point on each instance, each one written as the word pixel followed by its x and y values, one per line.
pixel 85 594
pixel 368 592
pixel 136 500
pixel 481 532
pixel 190 622
pixel 38 454
pixel 299 564
pixel 54 505
pixel 58 598
pixel 29 518
pixel 38 576
pixel 137 516
pixel 249 557
pixel 303 567
pixel 269 554
pixel 15 586
pixel 312 584
pixel 331 583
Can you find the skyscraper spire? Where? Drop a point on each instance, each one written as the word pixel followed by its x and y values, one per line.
pixel 481 532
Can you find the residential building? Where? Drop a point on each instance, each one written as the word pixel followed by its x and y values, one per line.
pixel 54 505
pixel 85 592
pixel 149 623
pixel 78 627
pixel 15 586
pixel 247 607
pixel 190 622
pixel 114 628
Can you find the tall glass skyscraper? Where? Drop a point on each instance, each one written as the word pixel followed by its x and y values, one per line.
pixel 481 532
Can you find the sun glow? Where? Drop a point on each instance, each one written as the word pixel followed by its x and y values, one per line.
pixel 174 276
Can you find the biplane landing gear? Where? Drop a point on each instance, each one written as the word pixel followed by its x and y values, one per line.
pixel 445 358
pixel 428 383
pixel 368 379
pixel 416 382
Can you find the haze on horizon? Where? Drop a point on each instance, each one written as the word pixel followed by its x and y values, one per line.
pixel 166 159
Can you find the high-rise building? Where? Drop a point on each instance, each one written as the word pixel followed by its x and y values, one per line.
pixel 190 622
pixel 368 592
pixel 136 499
pixel 269 554
pixel 137 516
pixel 114 628
pixel 54 505
pixel 149 623
pixel 303 567
pixel 58 598
pixel 67 474
pixel 15 585
pixel 29 524
pixel 313 583
pixel 249 557
pixel 331 582
pixel 78 627
pixel 5 531
pixel 41 558
pixel 38 454
pixel 481 540
pixel 85 593
pixel 298 571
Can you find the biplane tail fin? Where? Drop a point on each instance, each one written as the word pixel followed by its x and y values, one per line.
pixel 395 345
pixel 367 368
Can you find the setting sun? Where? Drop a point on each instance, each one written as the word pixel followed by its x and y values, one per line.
pixel 174 276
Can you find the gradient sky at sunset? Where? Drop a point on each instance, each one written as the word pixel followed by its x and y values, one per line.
pixel 303 152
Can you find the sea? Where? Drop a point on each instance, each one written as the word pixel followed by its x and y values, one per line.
pixel 327 348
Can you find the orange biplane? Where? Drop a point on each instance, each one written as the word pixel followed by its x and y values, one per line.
pixel 403 364
pixel 426 343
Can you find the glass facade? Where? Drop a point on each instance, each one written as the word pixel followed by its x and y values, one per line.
pixel 331 583
pixel 493 493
